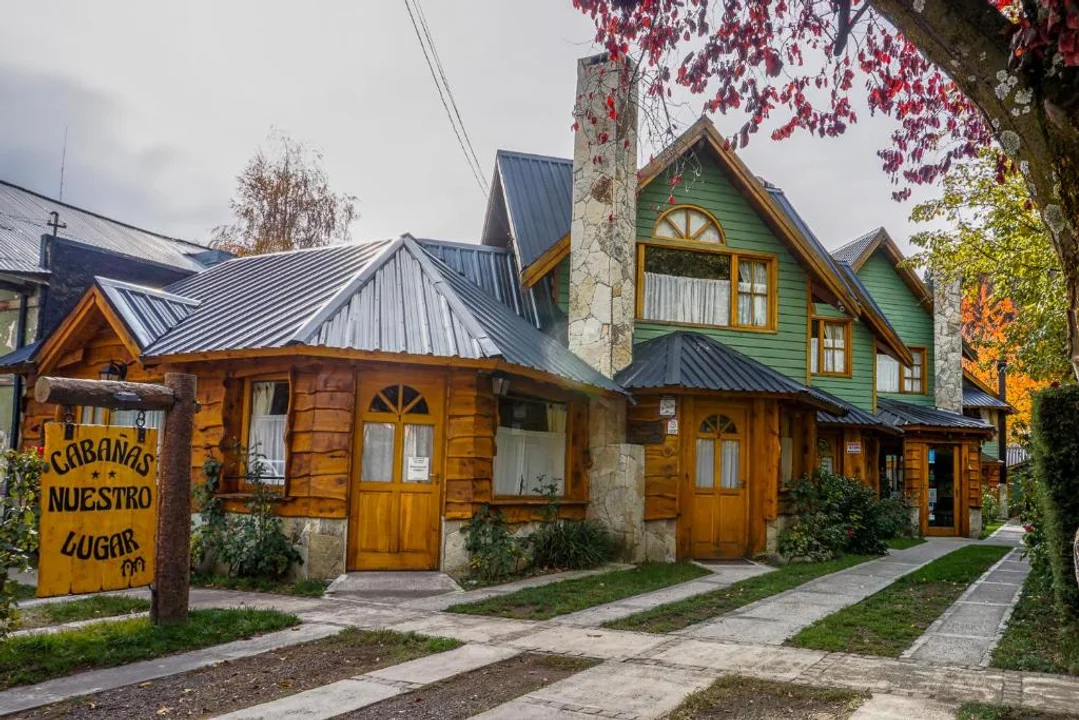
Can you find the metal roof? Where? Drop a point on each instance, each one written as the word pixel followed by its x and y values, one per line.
pixel 855 416
pixel 20 356
pixel 975 397
pixel 903 414
pixel 494 269
pixel 1016 455
pixel 691 360
pixel 147 312
pixel 854 249
pixel 24 215
pixel 538 193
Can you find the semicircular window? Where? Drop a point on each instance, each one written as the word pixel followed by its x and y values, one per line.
pixel 688 223
pixel 399 399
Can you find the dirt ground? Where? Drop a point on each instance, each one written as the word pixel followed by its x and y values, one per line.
pixel 739 698
pixel 229 686
pixel 472 693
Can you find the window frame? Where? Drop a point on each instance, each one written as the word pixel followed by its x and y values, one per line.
pixel 923 388
pixel 770 263
pixel 693 208
pixel 820 321
pixel 565 496
pixel 245 430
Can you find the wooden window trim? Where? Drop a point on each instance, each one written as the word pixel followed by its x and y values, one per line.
pixel 770 261
pixel 564 498
pixel 694 208
pixel 923 384
pixel 847 349
pixel 245 429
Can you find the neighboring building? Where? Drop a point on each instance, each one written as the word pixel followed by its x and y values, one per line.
pixel 666 365
pixel 49 254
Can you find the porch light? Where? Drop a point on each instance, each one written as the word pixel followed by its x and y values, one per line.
pixel 113 370
pixel 500 383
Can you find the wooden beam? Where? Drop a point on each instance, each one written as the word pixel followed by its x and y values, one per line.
pixel 545 263
pixel 103 393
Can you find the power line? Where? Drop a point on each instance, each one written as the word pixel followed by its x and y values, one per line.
pixel 473 164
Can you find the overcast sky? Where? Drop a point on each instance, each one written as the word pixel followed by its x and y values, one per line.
pixel 165 102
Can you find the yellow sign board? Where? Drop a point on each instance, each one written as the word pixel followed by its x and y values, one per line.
pixel 98 509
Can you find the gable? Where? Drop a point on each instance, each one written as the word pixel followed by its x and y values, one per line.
pixel 91 324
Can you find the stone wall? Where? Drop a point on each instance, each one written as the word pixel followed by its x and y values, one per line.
pixel 948 346
pixel 616 478
pixel 603 229
pixel 322 543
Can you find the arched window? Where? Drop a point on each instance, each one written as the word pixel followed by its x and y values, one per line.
pixel 399 399
pixel 688 223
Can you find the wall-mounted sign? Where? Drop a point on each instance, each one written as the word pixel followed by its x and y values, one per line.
pixel 417 469
pixel 672 426
pixel 854 448
pixel 668 406
pixel 645 433
pixel 98 509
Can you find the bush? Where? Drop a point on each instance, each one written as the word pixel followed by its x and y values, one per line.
pixel 894 517
pixel 1055 449
pixel 571 544
pixel 1028 506
pixel 836 514
pixel 19 515
pixel 990 505
pixel 208 536
pixel 494 553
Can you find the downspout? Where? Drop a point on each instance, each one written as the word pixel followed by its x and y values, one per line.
pixel 1002 422
pixel 17 385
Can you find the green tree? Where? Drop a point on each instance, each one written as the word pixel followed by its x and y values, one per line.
pixel 993 238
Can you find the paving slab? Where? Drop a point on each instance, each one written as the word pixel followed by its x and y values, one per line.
pixel 466 628
pixel 590 642
pixel 1051 693
pixel 319 703
pixel 433 668
pixel 441 602
pixel 900 707
pixel 758 631
pixel 774 663
pixel 393 585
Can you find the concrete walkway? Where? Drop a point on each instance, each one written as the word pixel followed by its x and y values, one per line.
pixel 968 631
pixel 773 620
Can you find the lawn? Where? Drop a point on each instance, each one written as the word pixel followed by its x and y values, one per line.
pixel 1035 640
pixel 979 711
pixel 750 699
pixel 305 588
pixel 990 527
pixel 683 613
pixel 567 596
pixel 31 659
pixel 89 608
pixel 902 543
pixel 20 591
pixel 887 622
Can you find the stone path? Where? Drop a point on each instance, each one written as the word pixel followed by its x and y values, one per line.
pixel 775 619
pixel 968 631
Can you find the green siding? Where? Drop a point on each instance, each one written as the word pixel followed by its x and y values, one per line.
pixel 913 323
pixel 783 350
pixel 858 388
pixel 562 271
pixel 990 447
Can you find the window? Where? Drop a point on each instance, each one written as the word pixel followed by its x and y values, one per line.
pixel 686 276
pixel 887 374
pixel 120 418
pixel 530 447
pixel 267 417
pixel 786 449
pixel 398 411
pixel 830 348
pixel 914 376
pixel 892 377
pixel 718 433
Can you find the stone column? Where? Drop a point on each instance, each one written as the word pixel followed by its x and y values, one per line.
pixel 603 228
pixel 948 346
pixel 616 478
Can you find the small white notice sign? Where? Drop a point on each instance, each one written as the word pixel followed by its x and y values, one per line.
pixel 854 448
pixel 672 426
pixel 668 406
pixel 417 469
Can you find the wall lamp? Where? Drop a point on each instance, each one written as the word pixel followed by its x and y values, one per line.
pixel 113 370
pixel 500 383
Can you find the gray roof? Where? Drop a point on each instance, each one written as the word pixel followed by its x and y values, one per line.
pixel 538 192
pixel 855 416
pixel 854 249
pixel 903 414
pixel 975 397
pixel 24 215
pixel 20 356
pixel 148 313
pixel 492 268
pixel 690 360
pixel 1016 455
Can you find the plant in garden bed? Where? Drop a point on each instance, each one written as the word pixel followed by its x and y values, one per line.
pixel 568 544
pixel 19 514
pixel 494 553
pixel 305 588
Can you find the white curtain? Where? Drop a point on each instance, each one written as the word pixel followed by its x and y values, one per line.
pixel 752 293
pixel 814 355
pixel 266 435
pixel 92 416
pixel 674 298
pixel 729 470
pixel 377 452
pixel 786 458
pixel 419 443
pixel 887 374
pixel 523 456
pixel 127 418
pixel 706 463
pixel 556 418
pixel 835 341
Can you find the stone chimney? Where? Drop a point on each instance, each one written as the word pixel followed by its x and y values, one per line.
pixel 948 345
pixel 603 231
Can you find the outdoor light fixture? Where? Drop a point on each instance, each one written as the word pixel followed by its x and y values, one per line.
pixel 113 370
pixel 500 383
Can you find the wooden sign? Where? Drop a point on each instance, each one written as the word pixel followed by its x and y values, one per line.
pixel 645 433
pixel 98 509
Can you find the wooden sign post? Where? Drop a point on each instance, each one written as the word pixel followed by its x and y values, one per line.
pixel 169 603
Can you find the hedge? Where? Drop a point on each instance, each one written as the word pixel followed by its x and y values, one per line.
pixel 1055 445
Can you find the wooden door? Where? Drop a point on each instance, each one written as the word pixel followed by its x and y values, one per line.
pixel 396 488
pixel 720 497
pixel 942 505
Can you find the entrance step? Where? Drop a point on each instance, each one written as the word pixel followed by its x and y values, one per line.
pixel 392 585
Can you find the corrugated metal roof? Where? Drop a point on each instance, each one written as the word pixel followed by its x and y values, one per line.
pixel 24 215
pixel 691 360
pixel 147 312
pixel 854 249
pixel 20 356
pixel 1016 455
pixel 975 397
pixel 538 192
pixel 855 416
pixel 903 414
pixel 493 269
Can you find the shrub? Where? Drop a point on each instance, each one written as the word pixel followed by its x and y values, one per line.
pixel 894 517
pixel 990 505
pixel 1056 463
pixel 494 552
pixel 836 514
pixel 571 544
pixel 1028 506
pixel 19 514
pixel 208 536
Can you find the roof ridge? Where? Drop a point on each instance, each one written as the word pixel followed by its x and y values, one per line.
pixel 502 152
pixel 154 292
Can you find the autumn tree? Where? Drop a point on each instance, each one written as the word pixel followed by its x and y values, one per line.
pixel 284 202
pixel 956 75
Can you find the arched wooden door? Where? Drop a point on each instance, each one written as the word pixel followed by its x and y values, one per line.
pixel 394 520
pixel 720 496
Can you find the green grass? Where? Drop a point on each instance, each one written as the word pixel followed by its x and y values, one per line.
pixel 990 528
pixel 305 588
pixel 981 711
pixel 560 598
pixel 683 613
pixel 902 543
pixel 97 606
pixel 887 622
pixel 31 659
pixel 1035 639
pixel 20 591
pixel 766 699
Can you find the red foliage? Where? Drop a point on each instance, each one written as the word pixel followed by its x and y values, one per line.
pixel 751 56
